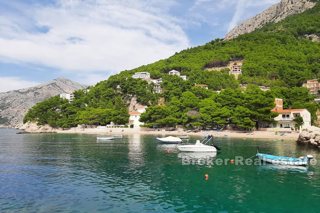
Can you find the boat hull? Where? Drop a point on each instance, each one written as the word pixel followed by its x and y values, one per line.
pixel 105 138
pixel 285 161
pixel 193 148
pixel 169 140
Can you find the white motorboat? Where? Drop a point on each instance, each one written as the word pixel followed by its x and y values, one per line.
pixel 198 147
pixel 170 140
pixel 105 138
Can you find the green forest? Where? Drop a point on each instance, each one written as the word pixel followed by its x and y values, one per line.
pixel 279 56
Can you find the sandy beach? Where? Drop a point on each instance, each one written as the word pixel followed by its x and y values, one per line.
pixel 267 134
pixel 232 134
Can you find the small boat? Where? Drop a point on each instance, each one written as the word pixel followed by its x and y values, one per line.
pixel 105 138
pixel 184 137
pixel 283 160
pixel 170 140
pixel 198 147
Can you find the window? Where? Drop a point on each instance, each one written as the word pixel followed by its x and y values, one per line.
pixel 296 115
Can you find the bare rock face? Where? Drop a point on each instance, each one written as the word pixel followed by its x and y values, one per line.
pixel 274 14
pixel 310 136
pixel 15 104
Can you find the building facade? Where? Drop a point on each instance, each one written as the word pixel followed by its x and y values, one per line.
pixel 313 86
pixel 141 75
pixel 235 68
pixel 67 96
pixel 134 118
pixel 174 72
pixel 203 86
pixel 286 117
pixel 177 73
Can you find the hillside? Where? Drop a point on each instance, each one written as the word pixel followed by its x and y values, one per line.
pixel 15 104
pixel 273 14
pixel 279 55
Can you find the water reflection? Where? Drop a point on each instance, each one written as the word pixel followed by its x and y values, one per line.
pixel 197 158
pixel 135 154
pixel 167 148
pixel 271 167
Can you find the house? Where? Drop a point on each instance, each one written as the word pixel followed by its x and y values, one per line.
pixel 141 75
pixel 157 89
pixel 174 72
pixel 264 88
pixel 156 81
pixel 177 73
pixel 67 96
pixel 235 67
pixel 204 86
pixel 184 77
pixel 286 117
pixel 134 118
pixel 157 85
pixel 313 86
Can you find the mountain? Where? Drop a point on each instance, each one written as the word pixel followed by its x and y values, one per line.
pixel 278 57
pixel 274 14
pixel 14 104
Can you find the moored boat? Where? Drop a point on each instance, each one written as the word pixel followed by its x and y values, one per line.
pixel 283 160
pixel 105 138
pixel 198 146
pixel 170 140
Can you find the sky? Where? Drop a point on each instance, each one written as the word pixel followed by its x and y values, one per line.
pixel 89 40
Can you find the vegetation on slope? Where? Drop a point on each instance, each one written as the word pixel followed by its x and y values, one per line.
pixel 278 55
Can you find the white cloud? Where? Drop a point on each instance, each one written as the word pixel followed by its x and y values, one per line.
pixel 92 36
pixel 89 40
pixel 14 83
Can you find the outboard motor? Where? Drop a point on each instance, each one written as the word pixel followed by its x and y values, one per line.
pixel 310 157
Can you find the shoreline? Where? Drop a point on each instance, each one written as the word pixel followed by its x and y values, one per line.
pixel 266 134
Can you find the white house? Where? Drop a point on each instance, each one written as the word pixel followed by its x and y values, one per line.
pixel 184 77
pixel 67 96
pixel 174 72
pixel 177 73
pixel 157 85
pixel 156 81
pixel 134 118
pixel 141 75
pixel 286 117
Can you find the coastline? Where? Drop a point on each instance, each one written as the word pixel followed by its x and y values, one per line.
pixel 266 134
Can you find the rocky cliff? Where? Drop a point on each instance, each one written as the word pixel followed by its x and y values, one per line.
pixel 275 14
pixel 15 104
pixel 310 136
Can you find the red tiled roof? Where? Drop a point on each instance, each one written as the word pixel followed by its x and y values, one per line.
pixel 134 113
pixel 287 110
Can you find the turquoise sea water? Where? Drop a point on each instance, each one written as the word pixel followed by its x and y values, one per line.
pixel 74 173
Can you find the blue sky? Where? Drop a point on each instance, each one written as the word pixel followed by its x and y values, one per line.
pixel 89 40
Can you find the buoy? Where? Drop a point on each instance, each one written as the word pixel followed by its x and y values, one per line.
pixel 206 177
pixel 232 161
